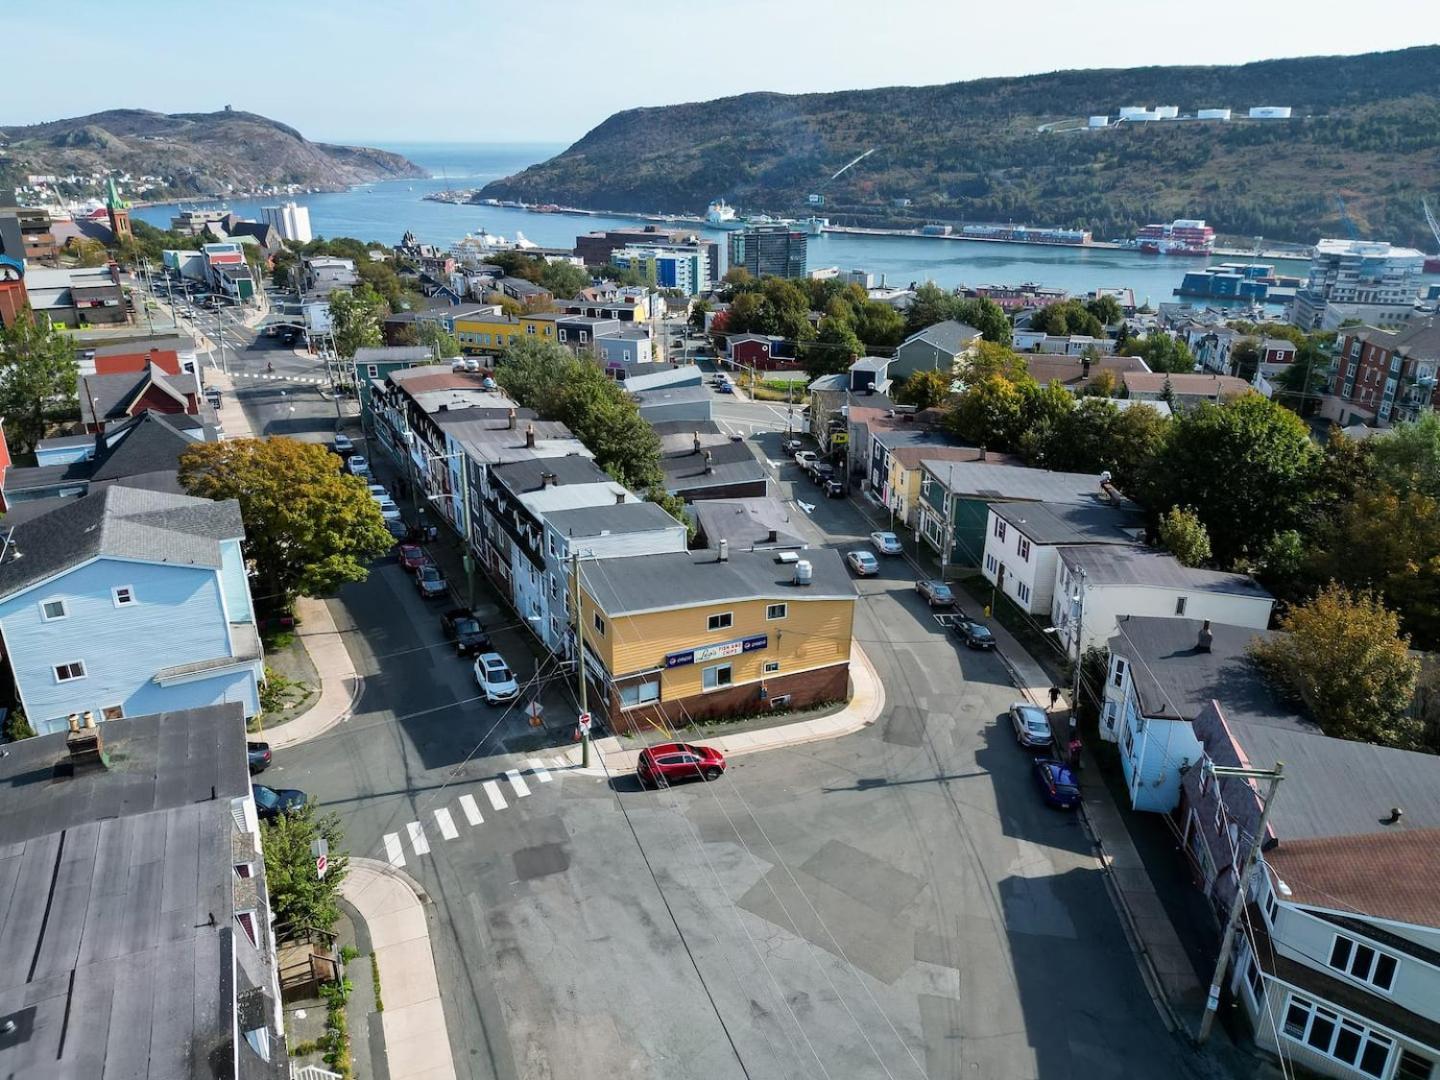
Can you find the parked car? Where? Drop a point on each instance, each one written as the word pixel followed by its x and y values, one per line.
pixel 213 396
pixel 725 388
pixel 343 446
pixel 259 754
pixel 1032 726
pixel 863 563
pixel 495 679
pixel 377 491
pixel 413 557
pixel 461 627
pixel 822 472
pixel 669 763
pixel 974 634
pixel 388 510
pixel 270 802
pixel 886 543
pixel 806 458
pixel 1057 783
pixel 356 465
pixel 791 446
pixel 834 489
pixel 430 582
pixel 936 593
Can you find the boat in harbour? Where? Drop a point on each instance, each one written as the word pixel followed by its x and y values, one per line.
pixel 721 215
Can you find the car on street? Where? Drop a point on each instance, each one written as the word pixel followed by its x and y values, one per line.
pixel 430 582
pixel 834 489
pixel 791 446
pixel 388 510
pixel 670 763
pixel 495 679
pixel 356 465
pixel 1057 784
pixel 412 557
pixel 1032 726
pixel 806 458
pixel 461 627
pixel 975 635
pixel 343 446
pixel 822 472
pixel 936 593
pixel 270 802
pixel 378 492
pixel 863 563
pixel 259 755
pixel 886 543
pixel 725 388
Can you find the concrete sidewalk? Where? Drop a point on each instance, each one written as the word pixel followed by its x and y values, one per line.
pixel 417 1041
pixel 340 684
pixel 865 705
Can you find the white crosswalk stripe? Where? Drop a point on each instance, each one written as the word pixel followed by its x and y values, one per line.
pixel 517 782
pixel 541 773
pixel 417 838
pixel 446 823
pixel 559 763
pixel 492 791
pixel 472 811
pixel 394 853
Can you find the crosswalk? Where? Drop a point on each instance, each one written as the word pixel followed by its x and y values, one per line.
pixel 514 781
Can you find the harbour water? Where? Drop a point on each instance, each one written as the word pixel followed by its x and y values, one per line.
pixel 384 211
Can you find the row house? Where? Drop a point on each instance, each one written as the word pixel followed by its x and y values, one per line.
pixel 1384 377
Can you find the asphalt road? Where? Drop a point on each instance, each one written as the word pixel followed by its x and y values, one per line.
pixel 895 904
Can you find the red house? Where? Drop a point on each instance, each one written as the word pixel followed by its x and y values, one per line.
pixel 108 399
pixel 135 356
pixel 760 351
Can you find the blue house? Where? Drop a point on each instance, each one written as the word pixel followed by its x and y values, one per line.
pixel 128 602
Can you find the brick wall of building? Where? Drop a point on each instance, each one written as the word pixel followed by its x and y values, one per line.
pixel 806 688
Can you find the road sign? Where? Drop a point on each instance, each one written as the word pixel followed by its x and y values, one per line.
pixel 322 863
pixel 584 723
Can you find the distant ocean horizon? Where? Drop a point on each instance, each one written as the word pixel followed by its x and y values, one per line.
pixel 473 162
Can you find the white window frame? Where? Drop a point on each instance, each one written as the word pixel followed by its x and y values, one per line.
pixel 1271 904
pixel 715 669
pixel 56 668
pixel 1119 677
pixel 45 616
pixel 598 623
pixel 1000 529
pixel 770 611
pixel 128 591
pixel 721 620
pixel 1338 1021
pixel 1022 546
pixel 118 709
pixel 1348 967
pixel 639 686
pixel 771 667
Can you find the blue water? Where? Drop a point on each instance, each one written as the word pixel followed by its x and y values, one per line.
pixel 384 211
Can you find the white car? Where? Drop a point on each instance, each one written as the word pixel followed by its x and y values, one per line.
pixel 388 510
pixel 495 679
pixel 378 492
pixel 357 465
pixel 806 458
pixel 343 445
pixel 464 363
pixel 886 543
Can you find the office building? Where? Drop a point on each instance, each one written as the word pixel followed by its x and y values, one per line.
pixel 290 220
pixel 1366 280
pixel 686 267
pixel 774 250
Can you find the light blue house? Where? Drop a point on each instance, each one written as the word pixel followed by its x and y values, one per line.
pixel 128 602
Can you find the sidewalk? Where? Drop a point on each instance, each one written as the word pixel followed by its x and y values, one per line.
pixel 340 684
pixel 417 1041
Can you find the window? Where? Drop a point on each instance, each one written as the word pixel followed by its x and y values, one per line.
pixel 1414 1067
pixel 1119 672
pixel 713 678
pixel 1272 906
pixel 372 370
pixel 776 611
pixel 1023 547
pixel 69 672
pixel 1363 962
pixel 991 564
pixel 244 869
pixel 721 621
pixel 643 692
pixel 123 595
pixel 1219 816
pixel 1340 1038
pixel 1023 592
pixel 599 623
pixel 1180 605
pixel 113 712
pixel 999 529
pixel 1129 742
pixel 247 923
pixel 50 610
pixel 563 335
pixel 771 667
pixel 1254 980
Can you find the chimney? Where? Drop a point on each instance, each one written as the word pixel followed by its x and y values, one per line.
pixel 1085 367
pixel 510 420
pixel 547 479
pixel 982 456
pixel 1395 815
pixel 530 436
pixel 695 446
pixel 709 466
pixel 1206 638
pixel 619 498
pixel 84 746
pixel 724 551
pixel 772 537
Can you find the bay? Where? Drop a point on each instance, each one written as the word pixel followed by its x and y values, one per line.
pixel 385 210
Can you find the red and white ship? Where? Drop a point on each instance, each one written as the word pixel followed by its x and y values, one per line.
pixel 1183 236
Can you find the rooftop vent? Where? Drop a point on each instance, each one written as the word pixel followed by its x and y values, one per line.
pixel 1395 815
pixel 724 551
pixel 530 436
pixel 548 479
pixel 1206 638
pixel 84 746
pixel 804 572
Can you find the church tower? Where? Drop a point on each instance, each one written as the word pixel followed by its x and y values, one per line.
pixel 118 211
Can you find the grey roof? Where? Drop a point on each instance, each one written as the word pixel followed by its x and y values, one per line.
pixel 545 501
pixel 65 440
pixel 661 377
pixel 625 331
pixel 522 287
pixel 104 397
pixel 25 478
pixel 627 586
pixel 524 476
pixel 630 517
pixel 1159 569
pixel 123 522
pixel 730 463
pixel 671 395
pixel 118 927
pixel 950 336
pixel 872 363
pixel 987 480
pixel 747 523
pixel 1069 523
pixel 147 444
pixel 390 354
pixel 1174 679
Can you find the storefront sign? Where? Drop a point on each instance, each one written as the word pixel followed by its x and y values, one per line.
pixel 717 652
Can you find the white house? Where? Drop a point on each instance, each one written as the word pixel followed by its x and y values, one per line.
pixel 1023 539
pixel 1097 584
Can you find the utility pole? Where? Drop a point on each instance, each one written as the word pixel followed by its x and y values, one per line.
pixel 1242 881
pixel 580 657
pixel 1079 650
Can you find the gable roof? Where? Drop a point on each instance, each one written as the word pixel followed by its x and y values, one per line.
pixel 520 477
pixel 148 443
pixel 1184 384
pixel 747 523
pixel 729 463
pixel 948 336
pixel 109 397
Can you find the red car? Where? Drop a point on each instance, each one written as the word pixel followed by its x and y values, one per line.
pixel 669 763
pixel 413 557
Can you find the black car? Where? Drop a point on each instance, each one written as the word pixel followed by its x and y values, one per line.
pixel 834 489
pixel 974 634
pixel 822 473
pixel 270 802
pixel 461 627
pixel 259 754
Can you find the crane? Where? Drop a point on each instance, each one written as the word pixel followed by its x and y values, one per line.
pixel 1430 219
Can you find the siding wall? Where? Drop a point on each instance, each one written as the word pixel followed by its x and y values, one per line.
pixel 235 583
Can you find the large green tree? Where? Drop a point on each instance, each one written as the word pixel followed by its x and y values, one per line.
pixel 1408 456
pixel 300 898
pixel 355 318
pixel 38 374
pixel 308 527
pixel 834 349
pixel 1067 317
pixel 1183 534
pixel 924 389
pixel 990 413
pixel 1162 353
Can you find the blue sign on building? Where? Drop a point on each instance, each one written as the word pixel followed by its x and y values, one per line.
pixel 717 652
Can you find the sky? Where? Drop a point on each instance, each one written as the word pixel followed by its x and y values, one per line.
pixel 366 71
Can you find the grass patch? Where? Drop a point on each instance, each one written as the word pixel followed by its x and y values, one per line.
pixel 375 979
pixel 280 692
pixel 336 1041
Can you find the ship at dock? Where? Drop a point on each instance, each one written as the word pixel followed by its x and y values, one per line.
pixel 1183 236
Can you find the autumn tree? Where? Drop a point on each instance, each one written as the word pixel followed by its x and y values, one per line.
pixel 924 389
pixel 38 373
pixel 1183 534
pixel 309 528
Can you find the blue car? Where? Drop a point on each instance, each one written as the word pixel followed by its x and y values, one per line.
pixel 1057 784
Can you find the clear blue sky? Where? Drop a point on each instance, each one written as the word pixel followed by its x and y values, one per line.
pixel 549 70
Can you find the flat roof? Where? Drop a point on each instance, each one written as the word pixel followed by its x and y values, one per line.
pixel 628 586
pixel 990 480
pixel 628 517
pixel 1071 524
pixel 1106 565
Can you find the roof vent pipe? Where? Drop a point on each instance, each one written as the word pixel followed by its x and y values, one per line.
pixel 724 551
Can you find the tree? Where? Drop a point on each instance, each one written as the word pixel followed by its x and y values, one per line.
pixel 1247 467
pixel 1245 359
pixel 879 325
pixel 1343 655
pixel 698 311
pixel 1163 353
pixel 924 389
pixel 440 341
pixel 88 252
pixel 930 305
pixel 1066 317
pixel 1183 534
pixel 1301 383
pixel 1105 308
pixel 308 527
pixel 299 898
pixel 38 371
pixel 990 413
pixel 1044 412
pixel 834 349
pixel 984 315
pixel 1408 458
pixel 355 319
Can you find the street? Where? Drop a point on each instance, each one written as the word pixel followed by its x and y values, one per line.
pixel 897 903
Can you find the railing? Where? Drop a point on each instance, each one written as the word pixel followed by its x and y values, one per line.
pixel 311 1072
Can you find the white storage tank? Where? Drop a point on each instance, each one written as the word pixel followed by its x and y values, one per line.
pixel 1134 112
pixel 1213 114
pixel 1167 112
pixel 1270 112
pixel 804 572
pixel 1099 121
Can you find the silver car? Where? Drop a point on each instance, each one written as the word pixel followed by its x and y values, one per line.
pixel 1031 724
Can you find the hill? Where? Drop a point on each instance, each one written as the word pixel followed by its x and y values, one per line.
pixel 1366 128
pixel 195 153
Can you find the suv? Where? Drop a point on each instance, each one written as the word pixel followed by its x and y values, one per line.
pixel 461 627
pixel 495 679
pixel 667 763
pixel 806 458
pixel 430 582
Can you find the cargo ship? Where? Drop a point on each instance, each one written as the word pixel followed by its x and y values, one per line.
pixel 1183 236
pixel 1024 234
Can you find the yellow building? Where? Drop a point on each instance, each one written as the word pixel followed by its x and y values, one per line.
pixel 902 482
pixel 671 638
pixel 540 325
pixel 487 333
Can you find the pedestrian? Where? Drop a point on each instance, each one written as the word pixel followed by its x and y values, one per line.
pixel 1054 696
pixel 1074 749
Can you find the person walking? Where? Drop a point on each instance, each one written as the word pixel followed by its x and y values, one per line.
pixel 1054 696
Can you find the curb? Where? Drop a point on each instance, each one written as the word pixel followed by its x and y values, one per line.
pixel 305 727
